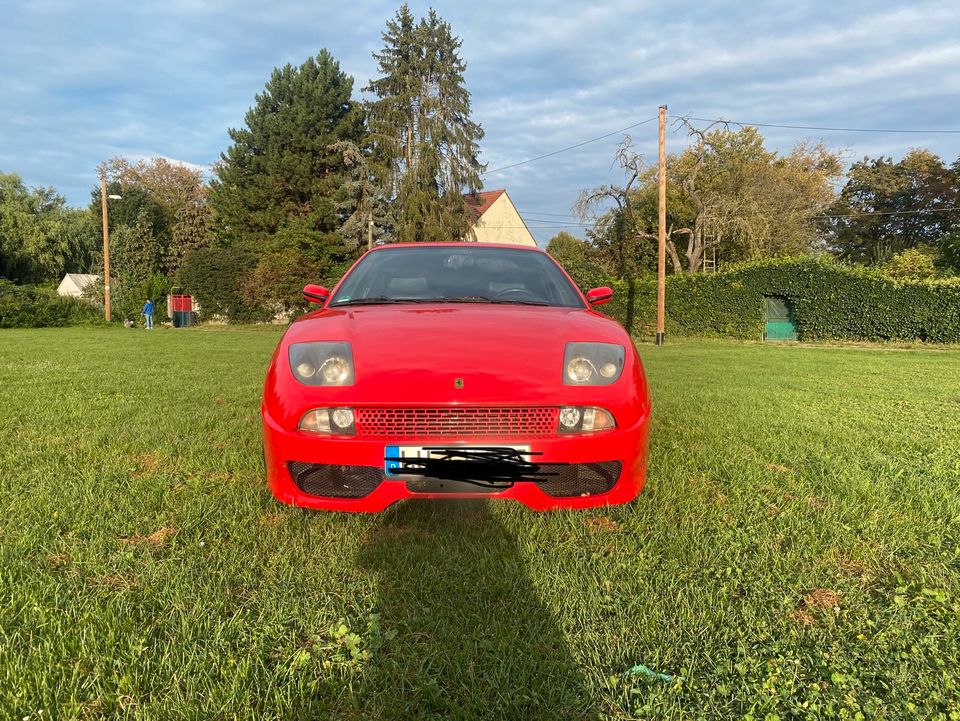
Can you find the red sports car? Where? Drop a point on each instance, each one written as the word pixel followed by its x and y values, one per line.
pixel 455 370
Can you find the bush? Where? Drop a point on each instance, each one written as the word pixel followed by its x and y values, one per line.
pixel 918 263
pixel 27 306
pixel 829 300
pixel 128 295
pixel 213 277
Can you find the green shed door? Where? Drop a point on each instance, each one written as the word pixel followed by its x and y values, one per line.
pixel 778 319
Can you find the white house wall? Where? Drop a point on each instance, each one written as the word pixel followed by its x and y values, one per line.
pixel 502 224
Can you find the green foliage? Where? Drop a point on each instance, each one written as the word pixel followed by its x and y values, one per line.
pixel 40 238
pixel 213 276
pixel 917 263
pixel 25 306
pixel 574 254
pixel 829 300
pixel 726 193
pixel 174 198
pixel 950 251
pixel 136 252
pixel 887 207
pixel 421 126
pixel 128 296
pixel 277 187
pixel 275 285
pixel 364 199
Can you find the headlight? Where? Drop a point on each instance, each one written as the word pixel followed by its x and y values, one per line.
pixel 574 419
pixel 328 420
pixel 322 363
pixel 592 364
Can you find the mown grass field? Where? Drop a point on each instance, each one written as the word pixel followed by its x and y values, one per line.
pixel 796 553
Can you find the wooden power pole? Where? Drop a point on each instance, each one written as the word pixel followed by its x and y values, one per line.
pixel 662 226
pixel 370 231
pixel 106 248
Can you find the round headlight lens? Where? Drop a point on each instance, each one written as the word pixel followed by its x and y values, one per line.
pixel 306 370
pixel 342 417
pixel 334 370
pixel 608 370
pixel 579 370
pixel 569 417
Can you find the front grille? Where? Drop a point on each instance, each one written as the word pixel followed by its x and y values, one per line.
pixel 579 479
pixel 455 422
pixel 335 481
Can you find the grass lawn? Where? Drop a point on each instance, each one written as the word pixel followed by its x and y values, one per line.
pixel 796 552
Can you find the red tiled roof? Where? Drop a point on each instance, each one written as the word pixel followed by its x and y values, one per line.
pixel 480 202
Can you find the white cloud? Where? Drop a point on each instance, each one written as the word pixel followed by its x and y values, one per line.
pixel 84 82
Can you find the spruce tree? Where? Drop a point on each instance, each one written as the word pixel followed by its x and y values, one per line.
pixel 422 129
pixel 276 187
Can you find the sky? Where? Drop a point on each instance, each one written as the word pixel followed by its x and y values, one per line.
pixel 83 82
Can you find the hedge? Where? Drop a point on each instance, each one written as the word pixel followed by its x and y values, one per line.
pixel 27 306
pixel 829 300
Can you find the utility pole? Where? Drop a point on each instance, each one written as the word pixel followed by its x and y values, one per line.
pixel 370 231
pixel 106 247
pixel 662 227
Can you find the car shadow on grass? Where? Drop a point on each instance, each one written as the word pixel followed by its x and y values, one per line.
pixel 472 639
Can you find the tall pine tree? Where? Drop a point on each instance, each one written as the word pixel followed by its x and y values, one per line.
pixel 421 127
pixel 276 188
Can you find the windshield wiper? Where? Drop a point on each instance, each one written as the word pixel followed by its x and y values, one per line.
pixel 483 299
pixel 514 301
pixel 373 300
pixel 382 299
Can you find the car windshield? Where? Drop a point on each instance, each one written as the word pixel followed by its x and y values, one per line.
pixel 467 274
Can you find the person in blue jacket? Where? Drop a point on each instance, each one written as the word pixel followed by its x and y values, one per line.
pixel 147 313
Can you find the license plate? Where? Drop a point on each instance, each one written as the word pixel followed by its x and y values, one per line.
pixel 390 467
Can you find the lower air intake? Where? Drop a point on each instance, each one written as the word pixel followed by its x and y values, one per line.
pixel 335 481
pixel 579 479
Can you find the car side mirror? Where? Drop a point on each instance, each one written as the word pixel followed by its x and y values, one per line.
pixel 315 293
pixel 599 296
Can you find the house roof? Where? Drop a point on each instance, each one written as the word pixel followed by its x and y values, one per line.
pixel 82 280
pixel 480 203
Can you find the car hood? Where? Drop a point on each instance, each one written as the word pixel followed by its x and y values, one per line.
pixel 417 353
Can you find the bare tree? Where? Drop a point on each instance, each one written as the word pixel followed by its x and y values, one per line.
pixel 625 232
pixel 712 216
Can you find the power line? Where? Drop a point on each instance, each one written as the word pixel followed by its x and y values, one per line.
pixel 545 224
pixel 556 215
pixel 571 147
pixel 818 127
pixel 886 212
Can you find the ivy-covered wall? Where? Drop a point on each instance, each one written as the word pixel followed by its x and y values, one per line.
pixel 830 301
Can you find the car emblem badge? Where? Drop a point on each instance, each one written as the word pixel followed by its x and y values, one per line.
pixel 458 382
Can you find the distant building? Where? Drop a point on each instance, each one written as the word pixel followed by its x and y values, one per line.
pixel 74 283
pixel 497 220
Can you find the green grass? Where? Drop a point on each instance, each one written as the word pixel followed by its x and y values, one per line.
pixel 796 553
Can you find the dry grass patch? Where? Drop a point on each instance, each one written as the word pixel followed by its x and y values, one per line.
pixel 821 599
pixel 598 524
pixel 157 539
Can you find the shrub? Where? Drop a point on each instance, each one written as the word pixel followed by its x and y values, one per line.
pixel 27 306
pixel 917 263
pixel 829 300
pixel 213 276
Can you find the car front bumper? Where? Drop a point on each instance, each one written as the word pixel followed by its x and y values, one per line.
pixel 594 456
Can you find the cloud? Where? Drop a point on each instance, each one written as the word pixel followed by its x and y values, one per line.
pixel 84 82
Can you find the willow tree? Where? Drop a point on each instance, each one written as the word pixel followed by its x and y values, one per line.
pixel 421 127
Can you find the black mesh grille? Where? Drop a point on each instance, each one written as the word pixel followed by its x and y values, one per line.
pixel 579 479
pixel 335 481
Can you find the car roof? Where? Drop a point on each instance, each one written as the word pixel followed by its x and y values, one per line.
pixel 456 244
